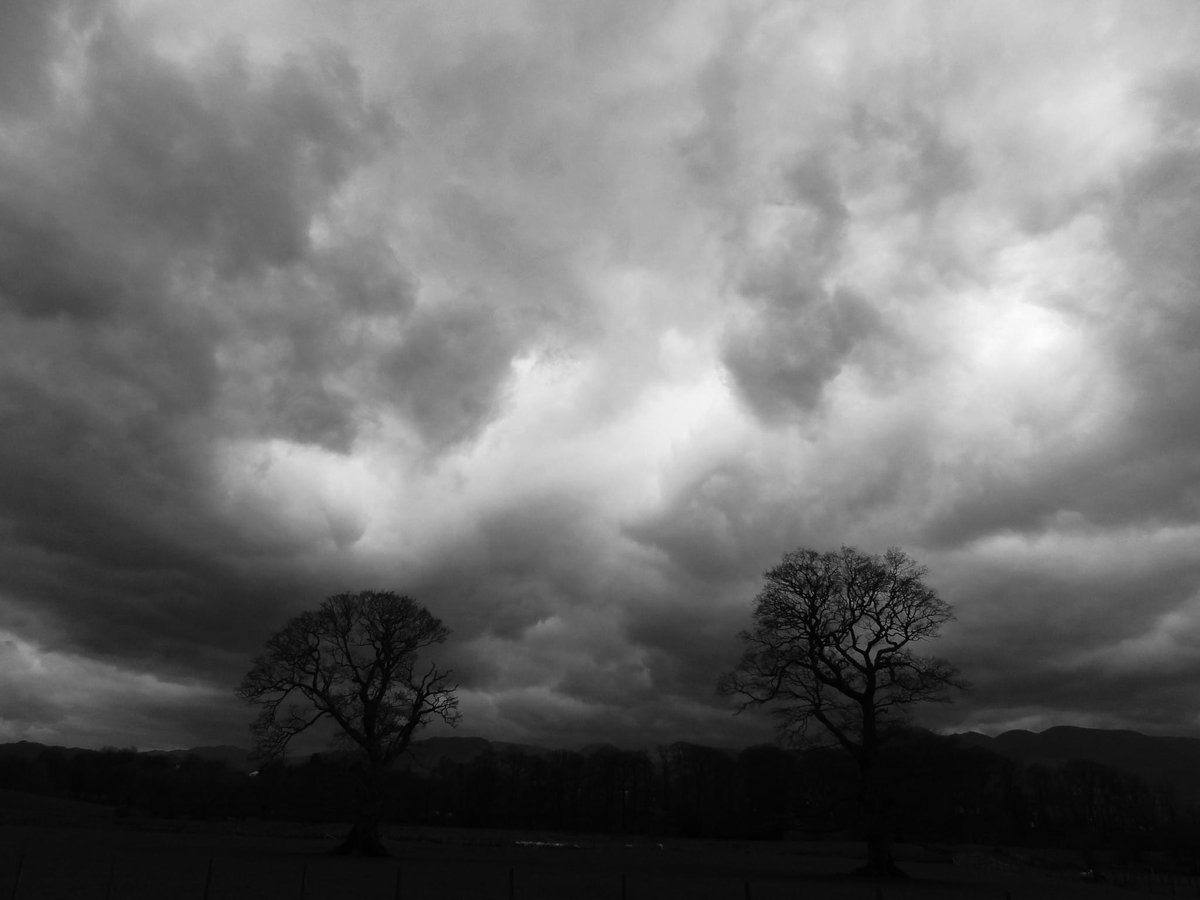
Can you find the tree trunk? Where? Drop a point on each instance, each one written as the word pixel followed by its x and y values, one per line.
pixel 880 863
pixel 364 838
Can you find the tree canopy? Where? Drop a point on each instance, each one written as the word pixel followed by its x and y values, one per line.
pixel 353 660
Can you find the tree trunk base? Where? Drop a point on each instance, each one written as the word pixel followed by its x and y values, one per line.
pixel 363 840
pixel 881 868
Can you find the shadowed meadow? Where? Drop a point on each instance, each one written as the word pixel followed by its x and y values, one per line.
pixel 60 848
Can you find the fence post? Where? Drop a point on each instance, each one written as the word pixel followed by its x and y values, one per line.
pixel 512 883
pixel 624 887
pixel 304 880
pixel 746 889
pixel 399 879
pixel 17 877
pixel 208 878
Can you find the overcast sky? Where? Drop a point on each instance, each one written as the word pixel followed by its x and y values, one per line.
pixel 568 319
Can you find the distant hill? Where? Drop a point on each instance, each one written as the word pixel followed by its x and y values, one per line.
pixel 1170 761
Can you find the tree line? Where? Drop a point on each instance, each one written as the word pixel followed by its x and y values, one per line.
pixel 942 792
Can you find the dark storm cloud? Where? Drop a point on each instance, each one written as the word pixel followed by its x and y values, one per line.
pixel 129 240
pixel 573 638
pixel 47 270
pixel 803 326
pixel 681 648
pixel 799 334
pixel 220 177
pixel 1114 608
pixel 448 371
pixel 569 323
pixel 927 162
pixel 57 697
pixel 796 343
pixel 713 524
pixel 516 566
pixel 222 159
pixel 30 31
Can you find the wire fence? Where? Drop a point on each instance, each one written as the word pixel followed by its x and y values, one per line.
pixel 41 877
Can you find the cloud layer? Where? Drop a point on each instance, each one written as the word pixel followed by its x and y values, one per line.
pixel 568 321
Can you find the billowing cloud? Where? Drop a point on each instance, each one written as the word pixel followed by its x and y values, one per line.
pixel 569 320
pixel 71 700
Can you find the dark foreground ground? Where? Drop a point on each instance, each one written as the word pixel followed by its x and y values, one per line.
pixel 83 857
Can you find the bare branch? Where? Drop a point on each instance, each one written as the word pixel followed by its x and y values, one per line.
pixel 351 660
pixel 831 644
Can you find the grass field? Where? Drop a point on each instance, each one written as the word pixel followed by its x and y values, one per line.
pixel 80 852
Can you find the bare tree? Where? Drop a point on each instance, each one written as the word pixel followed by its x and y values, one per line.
pixel 353 660
pixel 832 643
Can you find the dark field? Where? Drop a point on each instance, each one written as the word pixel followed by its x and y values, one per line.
pixel 76 854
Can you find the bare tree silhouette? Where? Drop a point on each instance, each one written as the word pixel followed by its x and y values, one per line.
pixel 353 660
pixel 832 644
